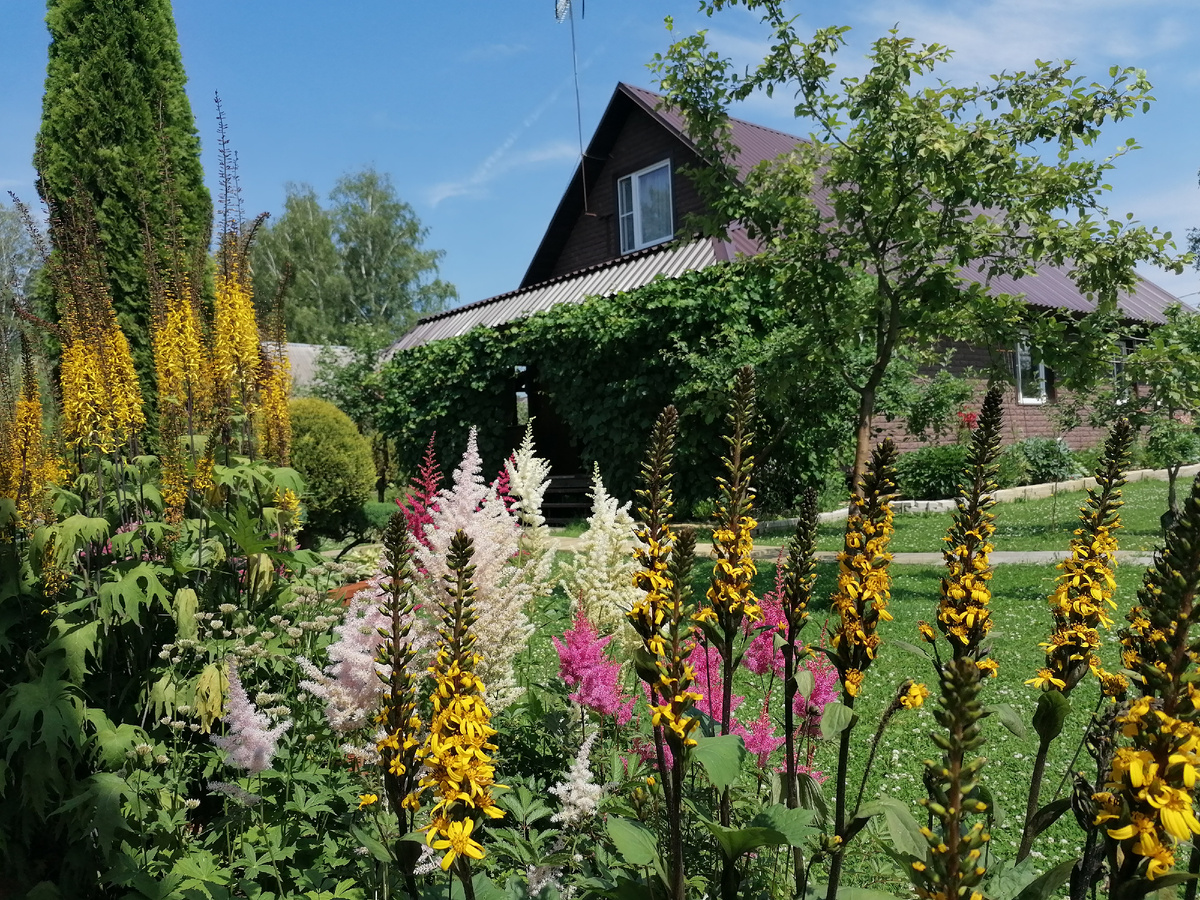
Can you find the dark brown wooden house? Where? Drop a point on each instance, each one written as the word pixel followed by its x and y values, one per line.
pixel 618 226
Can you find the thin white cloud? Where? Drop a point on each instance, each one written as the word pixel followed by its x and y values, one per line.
pixel 993 35
pixel 502 160
pixel 493 52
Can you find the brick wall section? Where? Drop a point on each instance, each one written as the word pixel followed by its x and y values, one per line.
pixel 641 143
pixel 1021 420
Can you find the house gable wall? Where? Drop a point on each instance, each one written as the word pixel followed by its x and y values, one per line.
pixel 641 142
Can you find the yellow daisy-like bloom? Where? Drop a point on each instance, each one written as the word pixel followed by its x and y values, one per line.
pixel 914 696
pixel 365 800
pixel 456 840
pixel 1045 679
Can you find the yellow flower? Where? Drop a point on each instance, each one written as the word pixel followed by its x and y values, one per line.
pixel 456 838
pixel 365 800
pixel 914 696
pixel 1045 680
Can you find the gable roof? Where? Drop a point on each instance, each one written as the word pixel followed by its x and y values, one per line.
pixel 756 142
pixel 1049 288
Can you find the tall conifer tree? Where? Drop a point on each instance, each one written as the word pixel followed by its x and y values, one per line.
pixel 114 111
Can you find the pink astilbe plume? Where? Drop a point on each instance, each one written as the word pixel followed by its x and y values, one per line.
pixel 707 663
pixel 809 710
pixel 583 665
pixel 760 737
pixel 503 485
pixel 250 741
pixel 421 499
pixel 762 656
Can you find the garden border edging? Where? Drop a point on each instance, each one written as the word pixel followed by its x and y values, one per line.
pixel 1024 492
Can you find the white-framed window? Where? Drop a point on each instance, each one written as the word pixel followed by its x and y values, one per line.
pixel 644 208
pixel 1031 376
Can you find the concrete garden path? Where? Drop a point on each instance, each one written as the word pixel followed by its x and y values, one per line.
pixel 998 557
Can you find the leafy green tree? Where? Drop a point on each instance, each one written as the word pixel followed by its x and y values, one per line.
pixel 114 116
pixel 1158 388
pixel 319 292
pixel 359 263
pixel 918 179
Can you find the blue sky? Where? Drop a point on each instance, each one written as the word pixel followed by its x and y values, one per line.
pixel 470 106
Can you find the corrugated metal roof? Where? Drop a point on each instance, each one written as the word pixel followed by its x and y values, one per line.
pixel 1052 288
pixel 624 274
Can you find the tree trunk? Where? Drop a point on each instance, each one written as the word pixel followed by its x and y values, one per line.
pixel 862 436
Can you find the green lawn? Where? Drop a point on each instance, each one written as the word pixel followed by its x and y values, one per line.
pixel 1045 524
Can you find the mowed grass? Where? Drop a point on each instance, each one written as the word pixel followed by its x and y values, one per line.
pixel 1044 524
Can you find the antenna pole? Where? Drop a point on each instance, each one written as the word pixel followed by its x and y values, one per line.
pixel 578 108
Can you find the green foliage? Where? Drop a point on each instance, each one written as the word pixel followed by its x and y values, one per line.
pixel 902 162
pixel 931 473
pixel 934 404
pixel 670 342
pixel 336 464
pixel 1048 460
pixel 114 106
pixel 1171 443
pixel 360 263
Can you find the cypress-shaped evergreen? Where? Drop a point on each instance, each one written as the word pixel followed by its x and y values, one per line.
pixel 114 112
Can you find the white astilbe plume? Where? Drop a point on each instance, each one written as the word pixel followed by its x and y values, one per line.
pixel 599 577
pixel 352 683
pixel 528 478
pixel 250 741
pixel 503 588
pixel 579 794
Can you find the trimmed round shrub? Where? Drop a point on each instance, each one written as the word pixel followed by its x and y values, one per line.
pixel 337 466
pixel 931 473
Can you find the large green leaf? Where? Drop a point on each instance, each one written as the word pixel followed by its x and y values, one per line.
pixel 100 804
pixel 836 719
pixel 635 842
pixel 1007 879
pixel 721 757
pixel 76 641
pixel 902 827
pixel 1045 885
pixel 1052 710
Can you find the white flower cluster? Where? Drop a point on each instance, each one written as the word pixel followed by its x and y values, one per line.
pixel 579 794
pixel 599 578
pixel 528 478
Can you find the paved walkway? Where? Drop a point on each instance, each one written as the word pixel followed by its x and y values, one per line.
pixel 998 557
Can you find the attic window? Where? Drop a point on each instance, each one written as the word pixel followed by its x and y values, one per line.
pixel 644 207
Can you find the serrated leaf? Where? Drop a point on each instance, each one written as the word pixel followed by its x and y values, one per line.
pixel 99 803
pixel 721 758
pixel 46 711
pixel 902 828
pixel 76 642
pixel 1007 879
pixel 1009 718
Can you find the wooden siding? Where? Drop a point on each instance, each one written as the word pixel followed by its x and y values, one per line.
pixel 641 142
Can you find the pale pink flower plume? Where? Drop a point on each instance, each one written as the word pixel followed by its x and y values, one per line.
pixel 250 741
